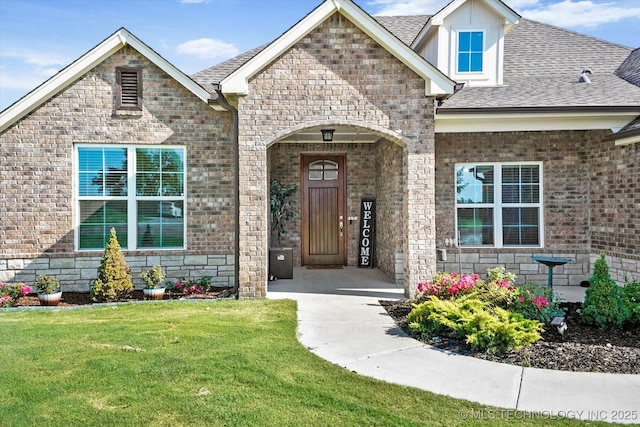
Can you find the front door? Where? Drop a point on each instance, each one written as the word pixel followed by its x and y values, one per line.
pixel 323 210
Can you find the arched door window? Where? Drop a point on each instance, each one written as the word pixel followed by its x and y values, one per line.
pixel 323 170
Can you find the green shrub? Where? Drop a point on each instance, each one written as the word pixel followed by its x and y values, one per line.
pixel 485 327
pixel 114 276
pixel 536 302
pixel 600 271
pixel 153 277
pixel 631 299
pixel 603 305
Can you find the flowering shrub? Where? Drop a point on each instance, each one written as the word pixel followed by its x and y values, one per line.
pixel 497 289
pixel 192 286
pixel 446 285
pixel 536 302
pixel 9 294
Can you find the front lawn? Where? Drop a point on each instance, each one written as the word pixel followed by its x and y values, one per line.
pixel 207 363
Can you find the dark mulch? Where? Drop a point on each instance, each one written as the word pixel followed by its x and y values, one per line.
pixel 583 348
pixel 83 298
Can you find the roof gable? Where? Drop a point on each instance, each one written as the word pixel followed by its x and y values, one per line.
pixel 82 65
pixel 509 16
pixel 436 83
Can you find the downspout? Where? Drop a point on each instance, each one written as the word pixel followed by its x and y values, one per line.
pixel 233 292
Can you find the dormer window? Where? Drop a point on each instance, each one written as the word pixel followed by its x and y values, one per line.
pixel 470 50
pixel 129 89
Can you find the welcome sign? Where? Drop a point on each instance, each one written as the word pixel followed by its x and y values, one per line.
pixel 367 232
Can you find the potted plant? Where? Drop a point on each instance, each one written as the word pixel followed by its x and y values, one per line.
pixel 152 279
pixel 283 210
pixel 49 287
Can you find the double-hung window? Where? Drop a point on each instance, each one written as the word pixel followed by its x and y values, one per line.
pixel 139 191
pixel 500 204
pixel 470 49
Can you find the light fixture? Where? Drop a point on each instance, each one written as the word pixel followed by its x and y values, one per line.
pixel 327 134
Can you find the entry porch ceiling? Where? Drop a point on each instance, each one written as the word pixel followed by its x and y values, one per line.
pixel 342 135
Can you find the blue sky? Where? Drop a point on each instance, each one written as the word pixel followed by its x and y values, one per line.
pixel 40 37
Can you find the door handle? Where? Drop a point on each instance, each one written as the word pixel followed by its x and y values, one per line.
pixel 341 228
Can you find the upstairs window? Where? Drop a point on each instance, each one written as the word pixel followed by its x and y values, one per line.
pixel 470 48
pixel 129 89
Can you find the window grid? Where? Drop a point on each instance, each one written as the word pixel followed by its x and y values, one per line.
pixel 153 218
pixel 516 213
pixel 470 51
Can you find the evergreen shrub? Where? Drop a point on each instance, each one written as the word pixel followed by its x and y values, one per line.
pixel 114 276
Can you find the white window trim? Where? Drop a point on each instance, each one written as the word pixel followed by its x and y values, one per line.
pixel 132 211
pixel 456 52
pixel 497 204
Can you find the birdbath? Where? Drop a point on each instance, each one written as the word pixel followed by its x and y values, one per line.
pixel 551 262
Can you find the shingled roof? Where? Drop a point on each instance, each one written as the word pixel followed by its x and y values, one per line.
pixel 542 66
pixel 630 68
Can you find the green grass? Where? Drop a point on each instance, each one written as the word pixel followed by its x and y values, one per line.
pixel 222 363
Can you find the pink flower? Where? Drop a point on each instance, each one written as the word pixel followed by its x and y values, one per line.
pixel 520 299
pixel 25 290
pixel 540 302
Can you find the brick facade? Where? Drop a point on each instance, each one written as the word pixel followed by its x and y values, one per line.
pixel 316 83
pixel 36 170
pixel 615 207
pixel 579 178
pixel 334 76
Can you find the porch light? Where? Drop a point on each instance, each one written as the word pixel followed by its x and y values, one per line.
pixel 327 134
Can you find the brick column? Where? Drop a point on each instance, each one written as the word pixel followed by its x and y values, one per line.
pixel 419 210
pixel 254 224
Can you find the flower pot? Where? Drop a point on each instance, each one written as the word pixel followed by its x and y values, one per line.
pixel 50 299
pixel 153 293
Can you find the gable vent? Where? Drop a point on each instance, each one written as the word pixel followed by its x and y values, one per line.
pixel 129 83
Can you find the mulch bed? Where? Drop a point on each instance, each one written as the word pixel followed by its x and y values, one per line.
pixel 583 348
pixel 82 298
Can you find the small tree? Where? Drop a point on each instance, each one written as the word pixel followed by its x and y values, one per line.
pixel 283 209
pixel 114 276
pixel 603 305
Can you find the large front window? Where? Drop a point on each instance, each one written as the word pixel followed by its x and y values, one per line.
pixel 139 191
pixel 499 205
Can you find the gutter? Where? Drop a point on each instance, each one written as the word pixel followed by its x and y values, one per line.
pixel 222 100
pixel 526 110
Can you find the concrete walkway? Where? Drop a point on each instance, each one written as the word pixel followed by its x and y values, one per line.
pixel 340 320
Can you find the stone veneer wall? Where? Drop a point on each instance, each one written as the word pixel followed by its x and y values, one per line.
pixel 36 166
pixel 615 207
pixel 76 274
pixel 566 170
pixel 335 75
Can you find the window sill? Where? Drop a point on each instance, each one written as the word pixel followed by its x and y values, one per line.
pixel 129 113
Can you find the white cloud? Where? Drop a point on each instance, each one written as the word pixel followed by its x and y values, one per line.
pixel 208 49
pixel 20 81
pixel 582 13
pixel 39 59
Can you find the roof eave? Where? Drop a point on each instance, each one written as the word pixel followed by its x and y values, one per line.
pixel 82 65
pixel 525 119
pixel 511 18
